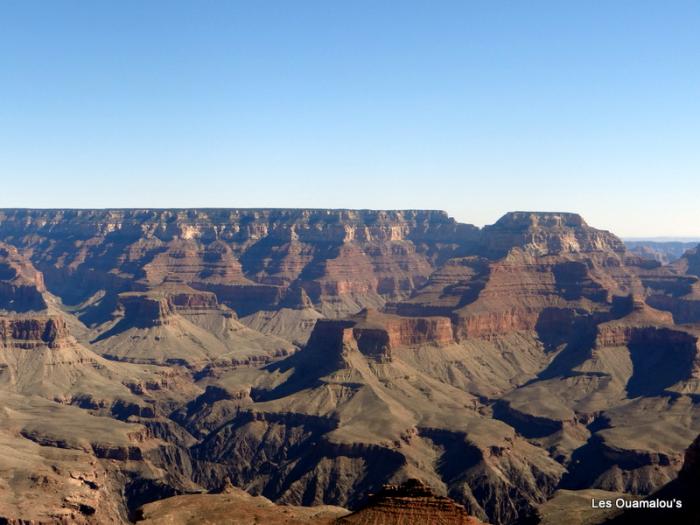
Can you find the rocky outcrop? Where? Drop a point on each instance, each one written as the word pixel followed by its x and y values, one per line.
pixel 343 259
pixel 522 290
pixel 31 332
pixel 679 292
pixel 174 324
pixel 497 365
pixel 676 502
pixel 377 334
pixel 684 309
pixel 193 300
pixel 689 263
pixel 527 265
pixel 619 334
pixel 157 308
pixel 293 452
pixel 21 286
pixel 410 502
pixel 690 473
pixel 547 234
pixel 643 325
pixel 146 310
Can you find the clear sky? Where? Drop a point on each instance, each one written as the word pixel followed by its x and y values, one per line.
pixel 474 107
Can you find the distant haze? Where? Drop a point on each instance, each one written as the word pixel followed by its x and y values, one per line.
pixel 662 239
pixel 476 108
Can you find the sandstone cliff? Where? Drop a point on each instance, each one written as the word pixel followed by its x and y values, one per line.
pixel 409 503
pixel 313 356
pixel 344 259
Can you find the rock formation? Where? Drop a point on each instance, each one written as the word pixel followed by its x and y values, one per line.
pixel 233 506
pixel 314 356
pixel 408 503
pixel 181 326
pixel 21 286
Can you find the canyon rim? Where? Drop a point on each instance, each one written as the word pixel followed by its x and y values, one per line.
pixel 347 366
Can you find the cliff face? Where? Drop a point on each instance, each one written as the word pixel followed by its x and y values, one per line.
pixel 690 262
pixel 31 332
pixel 410 502
pixel 343 259
pixel 676 288
pixel 377 334
pixel 524 268
pixel 314 356
pixel 21 286
pixel 336 261
pixel 548 234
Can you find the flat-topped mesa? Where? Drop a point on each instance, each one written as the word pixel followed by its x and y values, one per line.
pixel 146 310
pixel 377 334
pixel 403 331
pixel 32 332
pixel 547 233
pixel 193 300
pixel 410 502
pixel 21 285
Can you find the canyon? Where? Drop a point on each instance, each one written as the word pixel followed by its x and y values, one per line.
pixel 312 362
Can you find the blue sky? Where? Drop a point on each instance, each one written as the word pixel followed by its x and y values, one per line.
pixel 474 107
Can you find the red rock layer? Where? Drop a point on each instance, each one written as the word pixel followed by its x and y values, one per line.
pixel 643 324
pixel 410 503
pixel 520 288
pixel 146 309
pixel 187 260
pixel 29 333
pixel 377 335
pixel 249 258
pixel 193 300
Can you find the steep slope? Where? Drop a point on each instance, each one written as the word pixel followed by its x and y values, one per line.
pixel 40 356
pixel 541 267
pixel 62 464
pixel 76 464
pixel 292 324
pixel 180 326
pixel 347 414
pixel 675 503
pixel 590 408
pixel 504 366
pixel 345 260
pixel 689 263
pixel 676 288
pixel 408 503
pixel 21 286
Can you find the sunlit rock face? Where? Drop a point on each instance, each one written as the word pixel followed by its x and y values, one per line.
pixel 319 356
pixel 343 260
